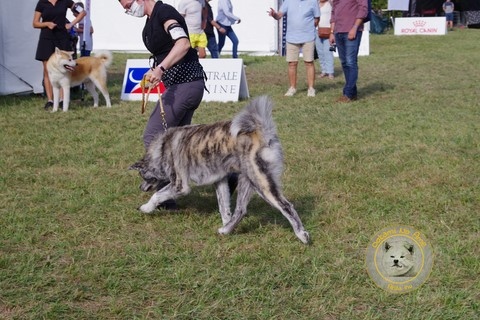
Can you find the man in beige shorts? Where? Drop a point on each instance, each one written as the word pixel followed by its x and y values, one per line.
pixel 300 36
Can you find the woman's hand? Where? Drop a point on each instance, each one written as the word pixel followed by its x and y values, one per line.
pixel 51 25
pixel 153 77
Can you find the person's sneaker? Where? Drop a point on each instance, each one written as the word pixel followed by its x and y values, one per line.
pixel 48 105
pixel 323 75
pixel 311 92
pixel 331 76
pixel 291 91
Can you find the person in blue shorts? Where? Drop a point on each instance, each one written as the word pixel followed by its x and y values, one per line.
pixel 448 8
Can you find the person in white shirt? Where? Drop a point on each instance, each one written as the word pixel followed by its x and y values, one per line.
pixel 322 42
pixel 226 18
pixel 194 12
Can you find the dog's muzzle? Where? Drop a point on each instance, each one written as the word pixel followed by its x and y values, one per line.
pixel 69 67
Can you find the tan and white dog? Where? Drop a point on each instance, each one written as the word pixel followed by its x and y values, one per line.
pixel 65 72
pixel 207 154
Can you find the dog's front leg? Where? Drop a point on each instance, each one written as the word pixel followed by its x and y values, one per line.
pixel 56 98
pixel 244 194
pixel 223 197
pixel 66 97
pixel 157 198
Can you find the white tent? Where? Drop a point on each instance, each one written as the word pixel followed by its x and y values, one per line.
pixel 19 71
pixel 114 30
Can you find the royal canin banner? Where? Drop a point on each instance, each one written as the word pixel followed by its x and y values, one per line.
pixel 420 26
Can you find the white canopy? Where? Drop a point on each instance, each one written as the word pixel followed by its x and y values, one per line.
pixel 19 71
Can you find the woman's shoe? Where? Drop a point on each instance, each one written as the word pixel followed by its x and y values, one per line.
pixel 48 105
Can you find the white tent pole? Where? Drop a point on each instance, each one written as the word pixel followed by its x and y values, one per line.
pixel 87 37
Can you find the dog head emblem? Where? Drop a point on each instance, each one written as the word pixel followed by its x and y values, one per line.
pixel 65 59
pixel 398 260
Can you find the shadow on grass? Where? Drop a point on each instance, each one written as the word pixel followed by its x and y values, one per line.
pixel 376 87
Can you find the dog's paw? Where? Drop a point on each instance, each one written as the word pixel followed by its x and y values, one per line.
pixel 146 208
pixel 303 236
pixel 223 230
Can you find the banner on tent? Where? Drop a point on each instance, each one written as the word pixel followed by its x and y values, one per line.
pixel 400 5
pixel 226 80
pixel 420 26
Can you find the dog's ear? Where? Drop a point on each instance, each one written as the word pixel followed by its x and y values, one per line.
pixel 387 246
pixel 409 247
pixel 137 166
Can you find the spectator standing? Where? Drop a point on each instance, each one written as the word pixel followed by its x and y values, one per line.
pixel 226 18
pixel 212 44
pixel 86 44
pixel 346 32
pixel 448 7
pixel 322 43
pixel 195 16
pixel 51 17
pixel 302 20
pixel 175 62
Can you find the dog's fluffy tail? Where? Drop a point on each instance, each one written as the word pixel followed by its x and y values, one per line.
pixel 106 57
pixel 257 116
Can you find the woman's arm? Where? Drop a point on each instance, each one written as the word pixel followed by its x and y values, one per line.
pixel 38 24
pixel 179 50
pixel 77 19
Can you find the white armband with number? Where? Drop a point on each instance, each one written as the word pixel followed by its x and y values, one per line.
pixel 176 31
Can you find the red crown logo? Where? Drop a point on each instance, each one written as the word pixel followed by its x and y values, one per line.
pixel 419 23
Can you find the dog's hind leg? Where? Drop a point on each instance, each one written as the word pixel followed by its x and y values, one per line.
pixel 90 86
pixel 274 197
pixel 101 84
pixel 223 197
pixel 244 194
pixel 265 180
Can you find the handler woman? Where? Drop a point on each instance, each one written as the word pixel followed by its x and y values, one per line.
pixel 51 17
pixel 175 62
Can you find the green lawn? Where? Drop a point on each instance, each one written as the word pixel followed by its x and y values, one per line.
pixel 74 246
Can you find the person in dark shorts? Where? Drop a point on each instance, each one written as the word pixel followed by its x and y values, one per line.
pixel 51 18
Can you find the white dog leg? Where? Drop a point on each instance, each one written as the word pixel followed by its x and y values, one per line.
pixel 289 212
pixel 101 84
pixel 223 197
pixel 244 194
pixel 157 198
pixel 56 98
pixel 90 86
pixel 273 195
pixel 66 97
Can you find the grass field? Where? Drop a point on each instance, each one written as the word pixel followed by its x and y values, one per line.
pixel 73 245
